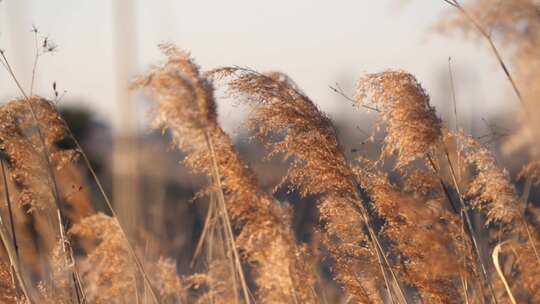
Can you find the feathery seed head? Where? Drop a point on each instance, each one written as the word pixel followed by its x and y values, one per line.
pixel 423 235
pixel 490 189
pixel 187 108
pixel 412 126
pixel 292 125
pixel 24 141
pixel 107 271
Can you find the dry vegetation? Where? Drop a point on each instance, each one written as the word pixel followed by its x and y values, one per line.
pixel 433 219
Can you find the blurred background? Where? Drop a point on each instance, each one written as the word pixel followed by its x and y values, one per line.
pixel 317 43
pixel 101 45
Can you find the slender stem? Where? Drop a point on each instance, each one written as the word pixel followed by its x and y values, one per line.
pixel 36 59
pixel 525 200
pixel 464 215
pixel 221 200
pixel 441 183
pixel 455 208
pixel 339 91
pixel 210 250
pixel 109 205
pixel 15 261
pixel 10 212
pixel 381 256
pixel 487 36
pixel 495 257
pixel 456 122
pixel 229 244
pixel 464 282
pixel 7 66
pixel 206 230
pixel 470 227
pixel 4 235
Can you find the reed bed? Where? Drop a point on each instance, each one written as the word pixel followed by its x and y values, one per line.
pixel 434 218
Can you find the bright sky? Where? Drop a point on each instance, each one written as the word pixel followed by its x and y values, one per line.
pixel 318 43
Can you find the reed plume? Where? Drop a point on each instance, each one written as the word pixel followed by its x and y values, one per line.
pixel 186 107
pixel 110 275
pixel 29 131
pixel 413 131
pixel 290 124
pixel 24 150
pixel 490 189
pixel 411 233
pixel 107 270
pixel 59 288
pixel 172 288
pixel 412 127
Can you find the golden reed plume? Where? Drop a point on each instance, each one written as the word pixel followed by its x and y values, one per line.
pixel 186 108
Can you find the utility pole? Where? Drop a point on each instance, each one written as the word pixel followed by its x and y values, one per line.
pixel 125 148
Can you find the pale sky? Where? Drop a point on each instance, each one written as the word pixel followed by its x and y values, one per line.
pixel 318 43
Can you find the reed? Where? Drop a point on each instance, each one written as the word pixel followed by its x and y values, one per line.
pixel 434 217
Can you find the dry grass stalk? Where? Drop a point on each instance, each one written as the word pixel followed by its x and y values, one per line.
pixel 12 248
pixel 517 269
pixel 496 262
pixel 15 269
pixel 517 26
pixel 187 108
pixel 486 33
pixel 291 125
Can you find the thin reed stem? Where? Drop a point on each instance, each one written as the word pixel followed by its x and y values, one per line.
pixel 10 212
pixel 487 36
pixel 441 183
pixel 36 59
pixel 456 122
pixel 108 203
pixel 464 215
pixel 464 283
pixel 6 240
pixel 495 257
pixel 470 226
pixel 525 200
pixel 339 91
pixel 381 256
pixel 15 266
pixel 229 231
pixel 15 261
pixel 206 230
